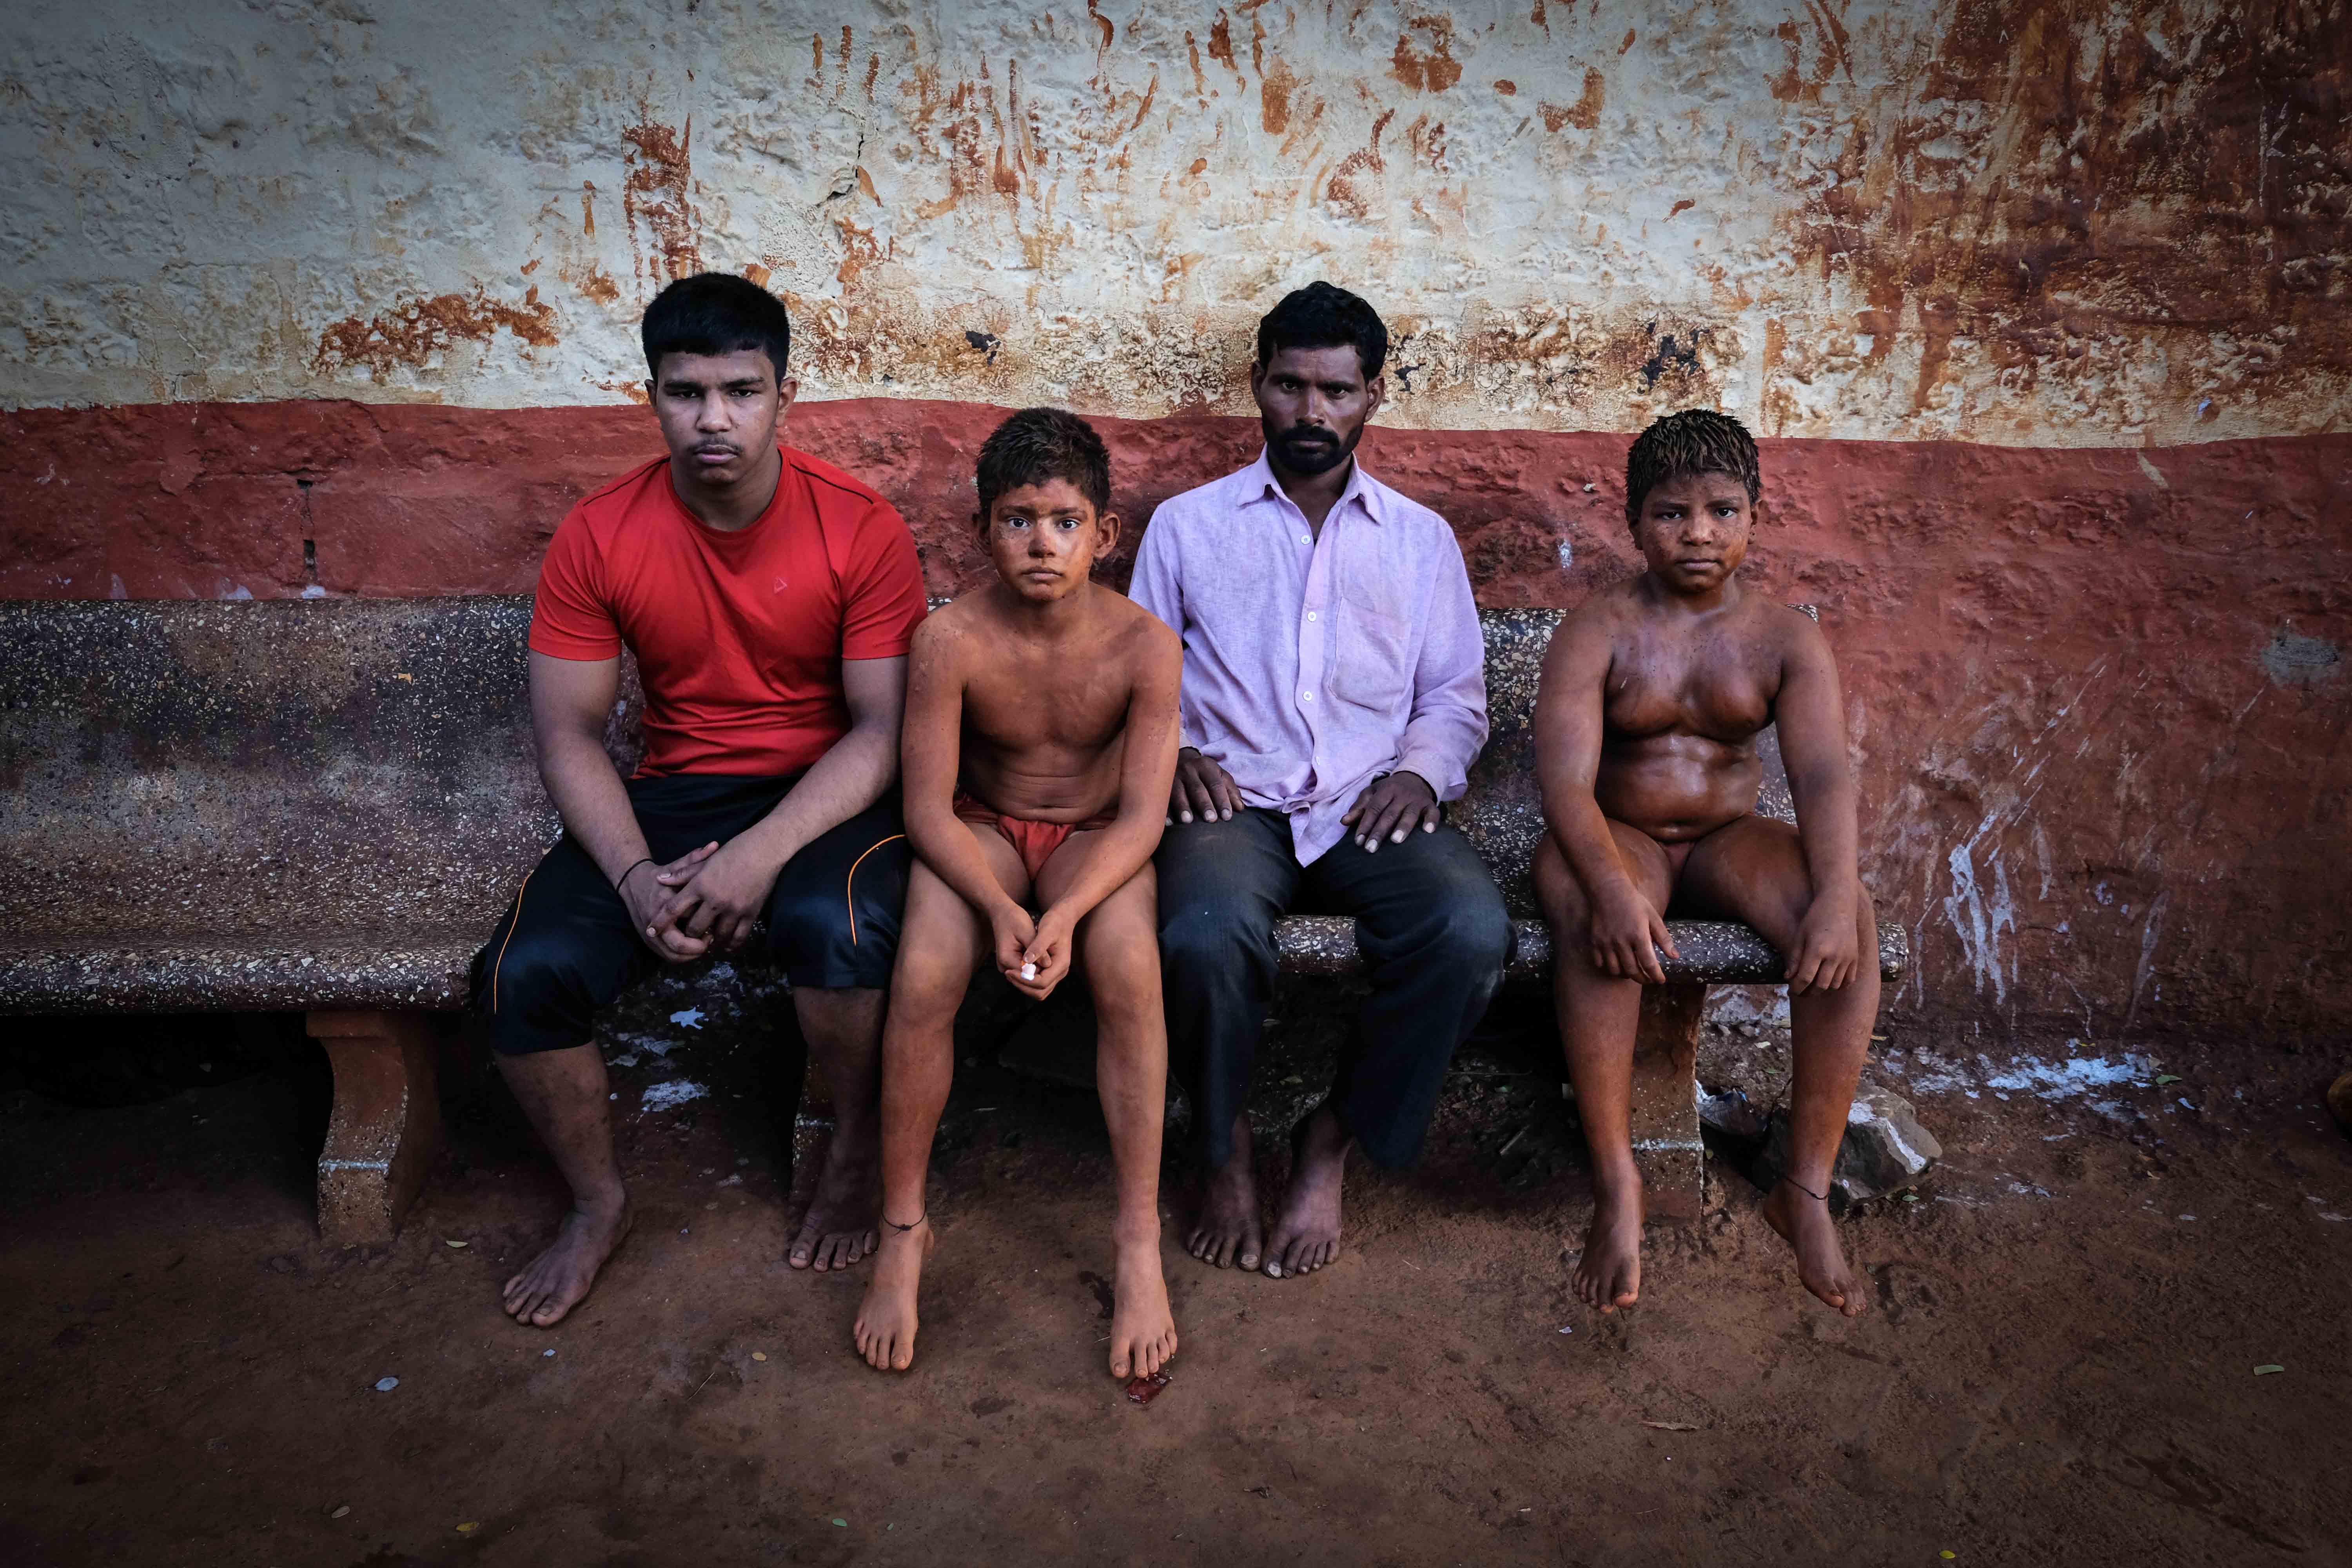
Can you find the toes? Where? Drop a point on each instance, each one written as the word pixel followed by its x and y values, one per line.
pixel 801 1254
pixel 902 1355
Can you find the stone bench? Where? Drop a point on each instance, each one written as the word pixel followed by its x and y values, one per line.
pixel 324 807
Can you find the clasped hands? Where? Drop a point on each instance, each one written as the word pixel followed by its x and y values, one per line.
pixel 1032 952
pixel 708 898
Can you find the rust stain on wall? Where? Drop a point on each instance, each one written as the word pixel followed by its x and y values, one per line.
pixel 1434 70
pixel 415 332
pixel 1274 96
pixel 1585 113
pixel 1341 188
pixel 2073 174
pixel 658 195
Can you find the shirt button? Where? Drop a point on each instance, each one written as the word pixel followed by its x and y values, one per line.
pixel 1310 614
pixel 1306 696
pixel 1303 539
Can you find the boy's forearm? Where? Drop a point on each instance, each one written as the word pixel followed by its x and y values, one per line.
pixel 1126 849
pixel 947 847
pixel 1827 831
pixel 1580 829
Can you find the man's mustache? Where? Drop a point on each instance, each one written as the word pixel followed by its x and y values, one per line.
pixel 1309 436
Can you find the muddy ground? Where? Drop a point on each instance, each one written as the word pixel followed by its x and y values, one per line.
pixel 2061 1364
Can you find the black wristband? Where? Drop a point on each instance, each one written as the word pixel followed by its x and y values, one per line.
pixel 633 866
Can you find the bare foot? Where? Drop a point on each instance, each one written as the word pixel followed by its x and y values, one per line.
pixel 1142 1330
pixel 838 1228
pixel 558 1279
pixel 1805 1223
pixel 1307 1232
pixel 885 1318
pixel 1227 1232
pixel 1609 1275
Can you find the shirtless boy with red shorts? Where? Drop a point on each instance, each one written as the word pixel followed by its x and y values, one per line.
pixel 1652 695
pixel 1037 756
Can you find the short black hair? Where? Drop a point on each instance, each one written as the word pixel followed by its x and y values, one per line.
pixel 1696 441
pixel 1324 316
pixel 1041 444
pixel 716 313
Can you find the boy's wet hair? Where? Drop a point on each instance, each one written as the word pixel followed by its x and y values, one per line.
pixel 1324 316
pixel 1041 444
pixel 1696 441
pixel 716 313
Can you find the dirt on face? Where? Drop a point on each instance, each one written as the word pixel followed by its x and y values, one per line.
pixel 2062 1361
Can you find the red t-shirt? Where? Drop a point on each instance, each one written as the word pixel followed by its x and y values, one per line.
pixel 739 637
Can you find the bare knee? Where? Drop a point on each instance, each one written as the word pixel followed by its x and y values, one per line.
pixel 1123 971
pixel 1560 897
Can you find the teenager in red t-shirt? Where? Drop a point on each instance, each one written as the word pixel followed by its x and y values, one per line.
pixel 769 599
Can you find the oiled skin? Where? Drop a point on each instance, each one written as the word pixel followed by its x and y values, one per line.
pixel 1681 714
pixel 1652 694
pixel 1048 697
pixel 1044 730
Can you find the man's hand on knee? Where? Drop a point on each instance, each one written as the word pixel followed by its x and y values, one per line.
pixel 1390 807
pixel 1203 789
pixel 714 902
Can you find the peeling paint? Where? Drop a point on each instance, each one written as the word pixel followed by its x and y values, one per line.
pixel 2034 222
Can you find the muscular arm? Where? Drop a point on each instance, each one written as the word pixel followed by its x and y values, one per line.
pixel 570 699
pixel 722 898
pixel 1570 728
pixel 1810 714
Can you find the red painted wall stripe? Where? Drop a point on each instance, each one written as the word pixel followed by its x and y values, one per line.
pixel 2098 692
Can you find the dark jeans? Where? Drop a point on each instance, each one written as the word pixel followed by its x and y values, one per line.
pixel 1429 921
pixel 567 948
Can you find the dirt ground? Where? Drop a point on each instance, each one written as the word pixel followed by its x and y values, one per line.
pixel 2061 1364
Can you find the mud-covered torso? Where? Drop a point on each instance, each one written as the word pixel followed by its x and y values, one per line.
pixel 1044 723
pixel 1682 705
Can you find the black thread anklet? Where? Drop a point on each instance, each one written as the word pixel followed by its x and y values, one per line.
pixel 916 1224
pixel 1817 1197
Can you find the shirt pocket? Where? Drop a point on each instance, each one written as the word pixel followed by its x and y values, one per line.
pixel 1374 658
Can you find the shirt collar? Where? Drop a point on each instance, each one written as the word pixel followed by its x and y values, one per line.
pixel 1258 483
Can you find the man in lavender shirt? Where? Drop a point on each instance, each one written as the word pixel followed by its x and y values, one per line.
pixel 1334 694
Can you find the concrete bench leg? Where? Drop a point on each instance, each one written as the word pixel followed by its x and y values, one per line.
pixel 386 1121
pixel 1666 1147
pixel 812 1129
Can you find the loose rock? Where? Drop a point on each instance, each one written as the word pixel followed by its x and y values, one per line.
pixel 2339 1101
pixel 1885 1150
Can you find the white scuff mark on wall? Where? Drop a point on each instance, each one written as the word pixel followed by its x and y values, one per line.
pixel 1980 919
pixel 2151 935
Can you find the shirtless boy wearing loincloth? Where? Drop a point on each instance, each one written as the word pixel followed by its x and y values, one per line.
pixel 1038 752
pixel 1652 694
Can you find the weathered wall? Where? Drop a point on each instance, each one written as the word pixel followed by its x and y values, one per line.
pixel 2030 221
pixel 2047 304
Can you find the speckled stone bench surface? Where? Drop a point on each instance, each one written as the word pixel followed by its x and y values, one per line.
pixel 299 805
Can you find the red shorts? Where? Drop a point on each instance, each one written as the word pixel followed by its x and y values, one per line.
pixel 1035 842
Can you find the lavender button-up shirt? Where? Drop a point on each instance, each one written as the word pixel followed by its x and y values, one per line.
pixel 1315 664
